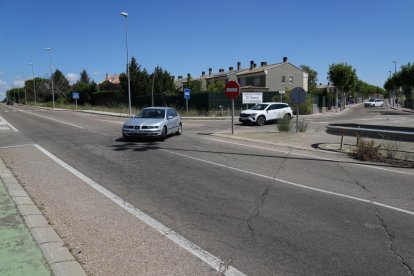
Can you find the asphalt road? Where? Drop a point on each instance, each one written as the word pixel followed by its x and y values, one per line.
pixel 248 205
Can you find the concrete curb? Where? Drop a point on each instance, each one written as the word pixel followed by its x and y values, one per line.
pixel 57 255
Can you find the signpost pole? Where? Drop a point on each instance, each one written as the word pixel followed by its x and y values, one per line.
pixel 232 116
pixel 186 105
pixel 297 117
pixel 76 104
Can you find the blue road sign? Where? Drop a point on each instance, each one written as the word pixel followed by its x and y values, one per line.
pixel 75 95
pixel 186 93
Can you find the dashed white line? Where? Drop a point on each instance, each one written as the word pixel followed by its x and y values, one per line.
pixel 7 123
pixel 62 122
pixel 194 249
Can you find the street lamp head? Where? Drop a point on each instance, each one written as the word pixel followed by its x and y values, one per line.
pixel 48 49
pixel 124 14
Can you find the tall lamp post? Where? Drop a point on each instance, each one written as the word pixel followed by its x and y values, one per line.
pixel 395 88
pixel 24 86
pixel 34 83
pixel 51 76
pixel 124 14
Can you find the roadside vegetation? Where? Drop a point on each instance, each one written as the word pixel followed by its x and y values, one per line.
pixel 387 152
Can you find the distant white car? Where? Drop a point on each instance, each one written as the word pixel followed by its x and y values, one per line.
pixel 265 112
pixel 374 103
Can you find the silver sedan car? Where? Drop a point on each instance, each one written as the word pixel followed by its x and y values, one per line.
pixel 157 122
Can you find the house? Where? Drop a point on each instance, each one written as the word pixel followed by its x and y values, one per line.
pixel 267 77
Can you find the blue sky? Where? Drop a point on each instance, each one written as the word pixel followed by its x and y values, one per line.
pixel 189 36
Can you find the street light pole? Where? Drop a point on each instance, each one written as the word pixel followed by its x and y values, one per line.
pixel 395 88
pixel 24 86
pixel 34 83
pixel 124 14
pixel 51 76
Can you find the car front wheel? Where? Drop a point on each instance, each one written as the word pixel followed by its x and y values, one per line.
pixel 261 121
pixel 180 129
pixel 163 134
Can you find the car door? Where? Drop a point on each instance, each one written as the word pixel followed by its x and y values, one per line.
pixel 271 112
pixel 172 124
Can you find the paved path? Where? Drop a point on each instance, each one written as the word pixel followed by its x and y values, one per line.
pixel 19 253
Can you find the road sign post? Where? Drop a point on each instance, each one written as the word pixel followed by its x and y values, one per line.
pixel 298 96
pixel 186 97
pixel 232 91
pixel 75 96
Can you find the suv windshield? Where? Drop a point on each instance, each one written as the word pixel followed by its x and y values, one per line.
pixel 259 107
pixel 151 114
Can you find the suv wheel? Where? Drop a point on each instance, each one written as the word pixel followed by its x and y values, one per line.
pixel 261 121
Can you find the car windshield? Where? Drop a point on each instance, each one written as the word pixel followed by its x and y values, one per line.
pixel 371 100
pixel 151 114
pixel 259 107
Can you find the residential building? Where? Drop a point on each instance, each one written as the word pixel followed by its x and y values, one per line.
pixel 267 77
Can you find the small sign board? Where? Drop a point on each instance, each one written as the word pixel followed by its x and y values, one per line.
pixel 281 92
pixel 75 95
pixel 187 93
pixel 252 97
pixel 298 95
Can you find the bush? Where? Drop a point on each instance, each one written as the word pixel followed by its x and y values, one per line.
pixel 284 124
pixel 366 150
pixel 390 148
pixel 302 125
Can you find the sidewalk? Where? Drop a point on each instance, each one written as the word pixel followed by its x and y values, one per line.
pixel 28 244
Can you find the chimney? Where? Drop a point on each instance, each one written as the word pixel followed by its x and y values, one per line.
pixel 231 68
pixel 285 59
pixel 203 73
pixel 263 63
pixel 221 70
pixel 251 64
pixel 210 70
pixel 238 66
pixel 188 75
pixel 254 65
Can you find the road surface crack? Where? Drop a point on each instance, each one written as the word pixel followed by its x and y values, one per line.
pixel 390 242
pixel 256 210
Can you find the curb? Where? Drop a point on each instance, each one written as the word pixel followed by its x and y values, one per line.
pixel 61 262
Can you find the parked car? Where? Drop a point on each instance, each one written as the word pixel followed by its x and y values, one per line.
pixel 374 103
pixel 265 112
pixel 157 122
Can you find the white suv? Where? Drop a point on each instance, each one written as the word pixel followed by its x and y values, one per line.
pixel 374 103
pixel 265 112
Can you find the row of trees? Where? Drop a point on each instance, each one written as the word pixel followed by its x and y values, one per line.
pixel 39 89
pixel 403 79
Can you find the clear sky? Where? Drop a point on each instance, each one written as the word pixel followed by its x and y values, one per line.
pixel 189 36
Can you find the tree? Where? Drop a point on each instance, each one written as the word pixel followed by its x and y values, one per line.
pixel 60 83
pixel 216 86
pixel 344 77
pixel 140 81
pixel 84 77
pixel 312 78
pixel 404 79
pixel 194 85
pixel 162 81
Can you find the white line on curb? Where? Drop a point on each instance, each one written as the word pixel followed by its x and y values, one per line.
pixel 194 249
pixel 294 184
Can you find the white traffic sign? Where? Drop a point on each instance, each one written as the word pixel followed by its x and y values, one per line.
pixel 252 97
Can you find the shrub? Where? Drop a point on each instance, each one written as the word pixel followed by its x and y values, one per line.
pixel 366 150
pixel 284 124
pixel 302 125
pixel 390 148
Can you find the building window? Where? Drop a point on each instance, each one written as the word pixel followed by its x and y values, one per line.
pixel 283 79
pixel 257 82
pixel 290 79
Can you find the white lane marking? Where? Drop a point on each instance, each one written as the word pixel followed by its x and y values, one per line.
pixel 16 146
pixel 7 123
pixel 194 249
pixel 292 183
pixel 312 156
pixel 62 122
